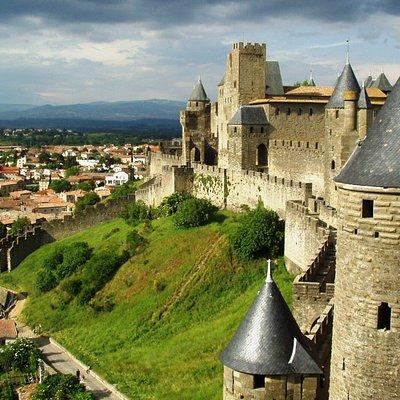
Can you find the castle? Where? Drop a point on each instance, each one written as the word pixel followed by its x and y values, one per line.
pixel 327 160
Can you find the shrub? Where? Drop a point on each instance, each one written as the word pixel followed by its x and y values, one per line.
pixel 60 185
pixel 89 199
pixel 45 280
pixel 72 286
pixel 19 225
pixel 136 212
pixel 194 212
pixel 170 204
pixel 259 232
pixel 134 241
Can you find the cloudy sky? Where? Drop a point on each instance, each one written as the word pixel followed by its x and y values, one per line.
pixel 68 51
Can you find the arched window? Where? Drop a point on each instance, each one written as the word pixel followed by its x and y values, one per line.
pixel 333 165
pixel 195 154
pixel 384 316
pixel 262 155
pixel 337 114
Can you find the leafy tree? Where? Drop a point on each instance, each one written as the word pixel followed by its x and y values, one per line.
pixel 60 185
pixel 19 225
pixel 88 199
pixel 126 189
pixel 86 186
pixel 259 233
pixel 22 355
pixel 44 157
pixel 70 162
pixel 170 204
pixel 72 171
pixel 194 212
pixel 136 212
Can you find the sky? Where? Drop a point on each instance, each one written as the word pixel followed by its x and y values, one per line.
pixel 73 51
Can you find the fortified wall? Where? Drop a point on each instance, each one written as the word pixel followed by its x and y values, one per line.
pixel 14 249
pixel 158 161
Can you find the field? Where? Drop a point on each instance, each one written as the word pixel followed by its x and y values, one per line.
pixel 174 306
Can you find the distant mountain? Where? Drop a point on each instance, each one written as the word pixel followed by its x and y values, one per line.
pixel 111 111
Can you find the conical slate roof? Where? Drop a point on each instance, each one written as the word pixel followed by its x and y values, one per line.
pixel 249 115
pixel 199 94
pixel 376 160
pixel 269 341
pixel 368 81
pixel 363 100
pixel 382 83
pixel 346 82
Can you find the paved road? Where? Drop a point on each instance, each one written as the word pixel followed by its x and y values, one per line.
pixel 61 362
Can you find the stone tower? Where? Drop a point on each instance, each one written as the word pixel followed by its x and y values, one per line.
pixel 366 333
pixel 340 128
pixel 248 140
pixel 244 81
pixel 198 145
pixel 268 357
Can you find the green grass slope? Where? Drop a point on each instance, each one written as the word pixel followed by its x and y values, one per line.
pixel 176 305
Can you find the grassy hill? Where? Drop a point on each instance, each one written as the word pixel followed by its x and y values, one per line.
pixel 175 306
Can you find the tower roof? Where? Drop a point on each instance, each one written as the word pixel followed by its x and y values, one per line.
pixel 269 341
pixel 382 83
pixel 199 94
pixel 368 81
pixel 346 82
pixel 249 115
pixel 376 160
pixel 273 79
pixel 363 100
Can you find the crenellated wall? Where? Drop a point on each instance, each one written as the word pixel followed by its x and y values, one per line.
pixel 298 160
pixel 158 161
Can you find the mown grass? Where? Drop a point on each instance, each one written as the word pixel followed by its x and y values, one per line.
pixel 148 357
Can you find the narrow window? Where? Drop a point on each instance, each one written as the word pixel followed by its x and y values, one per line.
pixel 333 166
pixel 277 111
pixel 299 111
pixel 234 84
pixel 298 144
pixel 384 316
pixel 367 208
pixel 291 143
pixel 376 235
pixel 259 381
pixel 235 129
pixel 356 231
pixel 316 146
pixel 343 364
pixel 251 129
pixel 262 129
pixel 288 111
pixel 330 131
pixel 337 114
pixel 310 112
pixel 308 145
pixel 197 103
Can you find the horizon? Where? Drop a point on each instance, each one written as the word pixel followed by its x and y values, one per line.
pixel 99 50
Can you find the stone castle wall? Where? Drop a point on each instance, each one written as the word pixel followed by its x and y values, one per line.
pixel 364 358
pixel 158 161
pixel 305 234
pixel 298 160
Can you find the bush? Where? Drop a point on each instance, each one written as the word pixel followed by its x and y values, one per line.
pixel 72 286
pixel 134 241
pixel 136 212
pixel 89 199
pixel 170 204
pixel 19 225
pixel 45 280
pixel 193 212
pixel 259 233
pixel 60 185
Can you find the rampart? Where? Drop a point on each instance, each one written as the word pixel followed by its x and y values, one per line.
pixel 14 249
pixel 298 160
pixel 158 161
pixel 326 213
pixel 305 234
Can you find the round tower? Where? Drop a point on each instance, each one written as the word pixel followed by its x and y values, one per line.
pixel 269 357
pixel 366 333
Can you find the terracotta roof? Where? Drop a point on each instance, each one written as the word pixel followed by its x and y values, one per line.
pixel 376 93
pixel 311 91
pixel 8 329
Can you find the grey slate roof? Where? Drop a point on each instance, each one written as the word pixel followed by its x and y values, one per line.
pixel 346 82
pixel 199 94
pixel 368 81
pixel 363 100
pixel 273 79
pixel 249 115
pixel 376 160
pixel 269 341
pixel 382 83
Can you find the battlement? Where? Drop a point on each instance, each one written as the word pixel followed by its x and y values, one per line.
pixel 250 48
pixel 311 219
pixel 298 145
pixel 325 212
pixel 207 169
pixel 322 328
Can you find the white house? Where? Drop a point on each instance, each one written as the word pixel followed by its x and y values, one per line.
pixel 117 179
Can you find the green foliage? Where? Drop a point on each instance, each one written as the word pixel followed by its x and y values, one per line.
pixel 19 225
pixel 126 189
pixel 61 387
pixel 259 233
pixel 60 185
pixel 85 186
pixel 89 199
pixel 134 241
pixel 44 157
pixel 170 204
pixel 72 286
pixel 193 212
pixel 70 162
pixel 62 263
pixel 72 171
pixel 22 355
pixel 136 212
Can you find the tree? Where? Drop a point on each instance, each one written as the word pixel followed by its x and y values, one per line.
pixel 70 162
pixel 194 212
pixel 60 185
pixel 259 233
pixel 71 171
pixel 136 212
pixel 89 199
pixel 85 186
pixel 170 204
pixel 44 157
pixel 19 225
pixel 22 355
